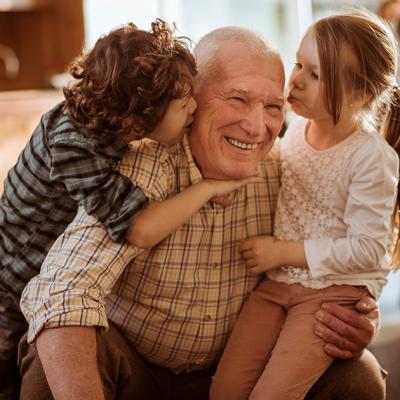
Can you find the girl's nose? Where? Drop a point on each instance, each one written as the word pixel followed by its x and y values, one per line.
pixel 297 81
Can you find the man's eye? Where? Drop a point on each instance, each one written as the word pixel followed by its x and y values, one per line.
pixel 239 99
pixel 274 106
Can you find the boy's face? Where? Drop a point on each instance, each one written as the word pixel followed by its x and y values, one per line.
pixel 176 121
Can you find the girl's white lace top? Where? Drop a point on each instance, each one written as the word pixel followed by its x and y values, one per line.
pixel 340 201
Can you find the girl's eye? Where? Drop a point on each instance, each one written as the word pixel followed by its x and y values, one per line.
pixel 297 65
pixel 314 75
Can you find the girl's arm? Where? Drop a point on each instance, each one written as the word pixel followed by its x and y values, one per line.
pixel 262 253
pixel 368 216
pixel 368 213
pixel 160 219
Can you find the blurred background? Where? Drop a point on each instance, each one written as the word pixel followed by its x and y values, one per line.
pixel 38 38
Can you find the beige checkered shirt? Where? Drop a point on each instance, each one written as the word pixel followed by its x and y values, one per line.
pixel 176 302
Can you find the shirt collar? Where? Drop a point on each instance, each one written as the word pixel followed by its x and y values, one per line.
pixel 117 148
pixel 194 172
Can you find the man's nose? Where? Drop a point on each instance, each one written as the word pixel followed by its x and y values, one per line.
pixel 254 122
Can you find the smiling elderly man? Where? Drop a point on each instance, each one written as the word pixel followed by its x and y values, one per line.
pixel 170 309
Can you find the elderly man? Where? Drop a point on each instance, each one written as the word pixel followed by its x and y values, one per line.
pixel 170 309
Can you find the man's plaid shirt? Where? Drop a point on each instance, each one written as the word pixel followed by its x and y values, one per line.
pixel 176 302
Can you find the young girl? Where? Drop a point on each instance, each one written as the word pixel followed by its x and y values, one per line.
pixel 132 84
pixel 334 221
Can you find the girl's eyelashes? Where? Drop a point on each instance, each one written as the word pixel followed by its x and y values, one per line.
pixel 314 75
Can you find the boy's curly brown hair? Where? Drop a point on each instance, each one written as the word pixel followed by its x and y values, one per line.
pixel 127 80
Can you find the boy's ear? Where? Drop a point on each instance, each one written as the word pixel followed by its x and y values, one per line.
pixel 131 124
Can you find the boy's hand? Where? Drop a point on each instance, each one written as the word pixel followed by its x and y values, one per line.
pixel 261 253
pixel 223 187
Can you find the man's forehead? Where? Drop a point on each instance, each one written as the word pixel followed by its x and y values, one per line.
pixel 267 68
pixel 274 93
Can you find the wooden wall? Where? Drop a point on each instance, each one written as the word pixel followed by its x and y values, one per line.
pixel 45 37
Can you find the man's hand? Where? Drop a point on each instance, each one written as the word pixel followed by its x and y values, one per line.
pixel 347 331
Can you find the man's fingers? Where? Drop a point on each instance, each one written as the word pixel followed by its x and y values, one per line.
pixel 336 352
pixel 338 325
pixel 345 314
pixel 337 342
pixel 366 305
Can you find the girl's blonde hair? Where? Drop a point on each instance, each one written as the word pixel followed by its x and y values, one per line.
pixel 371 79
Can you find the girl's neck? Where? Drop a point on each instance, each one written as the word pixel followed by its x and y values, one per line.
pixel 323 134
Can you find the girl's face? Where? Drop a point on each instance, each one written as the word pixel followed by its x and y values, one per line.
pixel 306 87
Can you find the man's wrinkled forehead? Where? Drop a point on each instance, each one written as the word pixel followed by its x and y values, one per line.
pixel 235 64
pixel 256 62
pixel 260 69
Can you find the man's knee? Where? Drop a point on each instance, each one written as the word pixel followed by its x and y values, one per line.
pixel 356 379
pixel 34 385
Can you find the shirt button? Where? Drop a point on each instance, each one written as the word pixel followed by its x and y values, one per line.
pixel 207 317
pixel 215 265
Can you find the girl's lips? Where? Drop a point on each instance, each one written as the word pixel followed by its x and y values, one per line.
pixel 292 99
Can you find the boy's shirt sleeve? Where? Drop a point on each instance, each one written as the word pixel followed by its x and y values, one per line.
pixel 91 179
pixel 84 263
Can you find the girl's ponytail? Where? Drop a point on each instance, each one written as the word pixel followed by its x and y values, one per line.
pixel 391 132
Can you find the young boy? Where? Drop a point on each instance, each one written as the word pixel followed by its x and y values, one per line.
pixel 132 84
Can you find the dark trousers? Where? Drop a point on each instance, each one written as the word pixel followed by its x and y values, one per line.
pixel 125 375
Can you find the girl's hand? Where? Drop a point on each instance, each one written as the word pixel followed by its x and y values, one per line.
pixel 261 253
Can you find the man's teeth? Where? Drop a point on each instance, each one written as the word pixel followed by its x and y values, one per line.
pixel 241 145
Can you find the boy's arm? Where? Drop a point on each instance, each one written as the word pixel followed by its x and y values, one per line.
pixel 91 179
pixel 160 219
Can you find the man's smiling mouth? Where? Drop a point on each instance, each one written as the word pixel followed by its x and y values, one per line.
pixel 242 145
